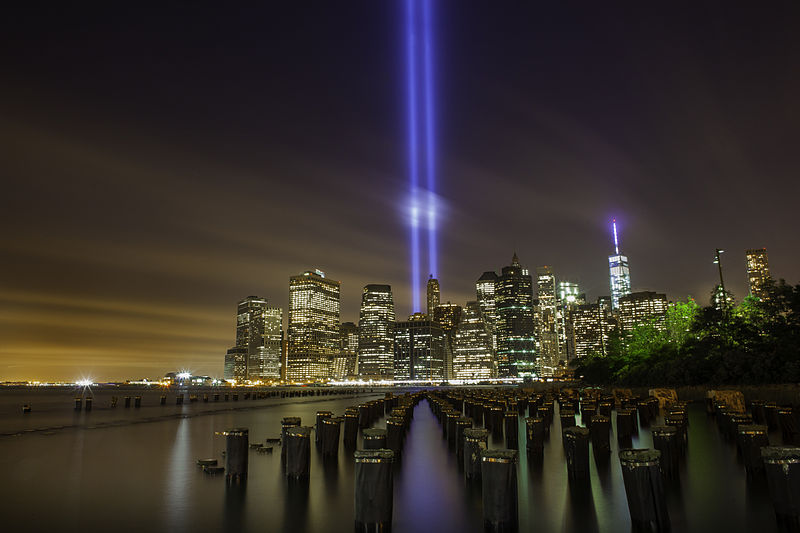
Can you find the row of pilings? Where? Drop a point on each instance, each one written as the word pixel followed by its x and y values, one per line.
pixel 86 402
pixel 468 417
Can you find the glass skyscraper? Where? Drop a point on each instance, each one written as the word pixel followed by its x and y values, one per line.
pixel 313 326
pixel 375 340
pixel 619 273
pixel 757 272
pixel 516 341
pixel 473 354
pixel 419 349
pixel 484 289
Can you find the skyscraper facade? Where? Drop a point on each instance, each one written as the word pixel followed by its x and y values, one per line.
pixel 345 364
pixel 547 321
pixel 257 353
pixel 591 326
pixel 484 289
pixel 375 341
pixel 473 354
pixel 313 326
pixel 434 296
pixel 619 273
pixel 569 297
pixel 267 366
pixel 758 272
pixel 642 308
pixel 447 316
pixel 235 364
pixel 516 342
pixel 419 349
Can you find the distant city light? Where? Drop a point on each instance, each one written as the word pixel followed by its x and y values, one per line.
pixel 84 382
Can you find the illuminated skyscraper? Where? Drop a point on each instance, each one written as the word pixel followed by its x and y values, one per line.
pixel 547 316
pixel 619 271
pixel 473 355
pixel 569 297
pixel 250 322
pixel 419 349
pixel 591 326
pixel 345 364
pixel 484 289
pixel 257 354
pixel 758 272
pixel 236 364
pixel 268 364
pixel 313 326
pixel 642 308
pixel 433 295
pixel 375 340
pixel 447 316
pixel 516 342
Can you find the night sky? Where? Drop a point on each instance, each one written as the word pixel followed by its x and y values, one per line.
pixel 159 165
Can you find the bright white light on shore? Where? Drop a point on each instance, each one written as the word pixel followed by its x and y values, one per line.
pixel 184 375
pixel 84 382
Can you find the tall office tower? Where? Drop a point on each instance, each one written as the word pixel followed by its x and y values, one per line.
pixel 375 341
pixel 548 321
pixel 591 326
pixel 569 296
pixel 235 364
pixel 272 351
pixel 433 294
pixel 250 333
pixel 484 289
pixel 758 272
pixel 516 342
pixel 345 363
pixel 473 355
pixel 419 349
pixel 313 326
pixel 448 316
pixel 642 308
pixel 620 273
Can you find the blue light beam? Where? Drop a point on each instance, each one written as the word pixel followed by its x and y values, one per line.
pixel 412 154
pixel 430 144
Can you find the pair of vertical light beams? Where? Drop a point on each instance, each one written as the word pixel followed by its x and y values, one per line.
pixel 420 138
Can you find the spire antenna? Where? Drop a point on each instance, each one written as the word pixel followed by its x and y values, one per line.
pixel 616 240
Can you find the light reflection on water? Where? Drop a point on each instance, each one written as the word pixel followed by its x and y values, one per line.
pixel 143 477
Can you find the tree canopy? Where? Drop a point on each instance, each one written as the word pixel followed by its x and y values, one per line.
pixel 754 341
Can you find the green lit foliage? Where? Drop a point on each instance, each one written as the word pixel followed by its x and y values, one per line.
pixel 752 342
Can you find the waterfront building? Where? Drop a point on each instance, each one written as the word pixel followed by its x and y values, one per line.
pixel 375 340
pixel 313 333
pixel 591 326
pixel 256 355
pixel 419 349
pixel 269 361
pixel 641 308
pixel 235 364
pixel 345 364
pixel 447 316
pixel 619 273
pixel 758 272
pixel 569 296
pixel 473 354
pixel 434 296
pixel 516 342
pixel 548 321
pixel 484 289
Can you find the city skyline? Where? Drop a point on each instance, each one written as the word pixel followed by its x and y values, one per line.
pixel 145 197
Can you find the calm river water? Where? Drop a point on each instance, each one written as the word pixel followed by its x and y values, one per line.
pixel 134 470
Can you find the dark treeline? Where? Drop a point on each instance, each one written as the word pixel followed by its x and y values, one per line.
pixel 753 342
